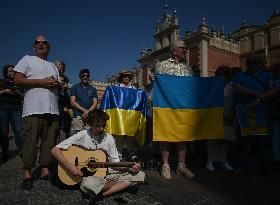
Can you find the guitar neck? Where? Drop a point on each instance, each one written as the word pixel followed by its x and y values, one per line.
pixel 109 164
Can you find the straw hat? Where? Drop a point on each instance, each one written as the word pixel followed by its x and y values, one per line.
pixel 123 73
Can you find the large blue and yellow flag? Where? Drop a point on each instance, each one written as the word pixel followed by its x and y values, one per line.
pixel 127 109
pixel 187 108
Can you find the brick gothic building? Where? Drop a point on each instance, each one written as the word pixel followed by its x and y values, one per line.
pixel 207 49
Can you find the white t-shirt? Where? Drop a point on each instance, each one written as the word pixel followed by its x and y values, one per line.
pixel 38 100
pixel 86 139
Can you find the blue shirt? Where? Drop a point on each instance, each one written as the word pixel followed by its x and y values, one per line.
pixel 84 96
pixel 260 81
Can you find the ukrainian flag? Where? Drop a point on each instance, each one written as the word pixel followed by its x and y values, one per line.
pixel 127 109
pixel 187 108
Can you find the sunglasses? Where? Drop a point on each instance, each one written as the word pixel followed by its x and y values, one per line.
pixel 44 42
pixel 85 75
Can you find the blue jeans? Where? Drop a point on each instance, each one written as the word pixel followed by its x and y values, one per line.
pixel 12 116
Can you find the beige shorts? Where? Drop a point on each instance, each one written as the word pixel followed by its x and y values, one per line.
pixel 96 184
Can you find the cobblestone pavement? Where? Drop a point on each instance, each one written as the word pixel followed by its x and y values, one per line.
pixel 218 188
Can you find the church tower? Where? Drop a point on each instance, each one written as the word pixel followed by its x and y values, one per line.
pixel 167 30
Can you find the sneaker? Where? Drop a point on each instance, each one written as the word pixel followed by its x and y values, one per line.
pixel 184 171
pixel 210 167
pixel 165 171
pixel 227 166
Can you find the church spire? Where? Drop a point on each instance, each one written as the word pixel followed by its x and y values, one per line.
pixel 166 8
pixel 166 17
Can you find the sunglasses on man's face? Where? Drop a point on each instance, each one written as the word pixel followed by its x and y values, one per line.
pixel 44 42
pixel 85 75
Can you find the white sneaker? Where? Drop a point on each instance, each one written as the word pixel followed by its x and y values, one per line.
pixel 227 166
pixel 165 172
pixel 184 171
pixel 210 167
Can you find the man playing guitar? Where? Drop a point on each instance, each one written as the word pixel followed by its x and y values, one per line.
pixel 94 138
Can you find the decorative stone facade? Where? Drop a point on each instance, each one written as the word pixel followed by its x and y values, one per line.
pixel 262 39
pixel 101 87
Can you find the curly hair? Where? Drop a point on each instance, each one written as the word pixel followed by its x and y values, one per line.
pixel 96 117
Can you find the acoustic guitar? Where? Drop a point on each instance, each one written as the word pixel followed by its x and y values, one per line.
pixel 90 162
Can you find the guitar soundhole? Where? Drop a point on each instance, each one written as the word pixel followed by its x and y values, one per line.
pixel 89 171
pixel 90 161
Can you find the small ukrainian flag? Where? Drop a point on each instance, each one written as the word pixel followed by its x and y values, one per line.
pixel 127 109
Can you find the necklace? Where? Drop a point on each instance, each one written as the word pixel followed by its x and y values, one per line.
pixel 96 139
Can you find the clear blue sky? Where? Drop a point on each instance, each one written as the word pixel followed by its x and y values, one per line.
pixel 106 36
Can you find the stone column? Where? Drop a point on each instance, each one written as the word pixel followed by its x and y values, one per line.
pixel 203 57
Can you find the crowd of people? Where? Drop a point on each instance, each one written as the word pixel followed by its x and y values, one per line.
pixel 38 104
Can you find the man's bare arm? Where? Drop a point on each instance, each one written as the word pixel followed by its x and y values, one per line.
pixel 22 81
pixel 76 105
pixel 94 104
